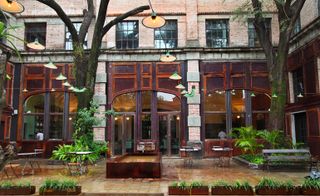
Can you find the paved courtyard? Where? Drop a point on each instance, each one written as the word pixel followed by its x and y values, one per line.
pixel 205 170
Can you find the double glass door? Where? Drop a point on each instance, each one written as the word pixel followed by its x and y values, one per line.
pixel 123 134
pixel 169 133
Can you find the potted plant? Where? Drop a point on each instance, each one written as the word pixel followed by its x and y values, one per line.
pixel 183 188
pixel 237 188
pixel 59 187
pixel 19 188
pixel 311 187
pixel 268 186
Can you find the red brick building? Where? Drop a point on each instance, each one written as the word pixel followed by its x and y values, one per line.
pixel 217 56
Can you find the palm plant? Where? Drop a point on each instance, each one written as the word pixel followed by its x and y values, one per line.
pixel 272 137
pixel 246 139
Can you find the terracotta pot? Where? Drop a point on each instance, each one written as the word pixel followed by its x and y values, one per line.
pixel 203 190
pixel 308 191
pixel 279 191
pixel 221 190
pixel 77 191
pixel 18 191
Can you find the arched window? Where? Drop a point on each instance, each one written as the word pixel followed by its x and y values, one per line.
pixel 167 102
pixel 125 103
pixel 33 116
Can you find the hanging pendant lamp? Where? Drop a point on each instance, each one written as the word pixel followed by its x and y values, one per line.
pixel 175 76
pixel 66 83
pixel 180 86
pixel 167 57
pixel 36 45
pixel 61 77
pixel 50 65
pixel 153 21
pixel 11 6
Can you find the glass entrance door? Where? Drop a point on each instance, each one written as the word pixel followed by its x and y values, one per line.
pixel 123 134
pixel 169 134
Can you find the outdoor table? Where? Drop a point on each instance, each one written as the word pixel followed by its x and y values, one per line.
pixel 224 154
pixel 29 158
pixel 81 167
pixel 188 160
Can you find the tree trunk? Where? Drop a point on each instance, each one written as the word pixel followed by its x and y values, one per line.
pixel 278 82
pixel 3 60
pixel 81 67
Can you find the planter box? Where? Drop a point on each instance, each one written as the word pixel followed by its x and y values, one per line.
pixel 226 191
pixel 203 190
pixel 307 191
pixel 280 191
pixel 18 191
pixel 77 191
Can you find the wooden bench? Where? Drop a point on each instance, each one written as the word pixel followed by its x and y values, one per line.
pixel 286 157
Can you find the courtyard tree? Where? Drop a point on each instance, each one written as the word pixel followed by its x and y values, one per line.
pixel 86 62
pixel 288 12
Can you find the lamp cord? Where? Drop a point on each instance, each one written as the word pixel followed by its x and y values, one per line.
pixel 151 5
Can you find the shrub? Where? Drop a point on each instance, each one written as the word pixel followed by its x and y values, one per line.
pixel 274 184
pixel 246 139
pixel 53 184
pixel 9 184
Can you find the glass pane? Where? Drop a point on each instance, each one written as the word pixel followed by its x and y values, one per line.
pixel 73 103
pixel 260 102
pixel 238 100
pixel 125 103
pixel 118 135
pixel 146 126
pixel 34 104
pixel 72 117
pixel 214 123
pixel 215 101
pixel 167 102
pixel 260 120
pixel 175 133
pixel 146 101
pixel 163 128
pixel 55 126
pixel 32 125
pixel 56 102
pixel 238 120
pixel 129 131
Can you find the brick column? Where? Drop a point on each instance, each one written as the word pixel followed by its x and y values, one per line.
pixel 192 24
pixel 193 79
pixel 100 97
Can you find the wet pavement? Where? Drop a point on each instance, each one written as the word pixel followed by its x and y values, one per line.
pixel 173 169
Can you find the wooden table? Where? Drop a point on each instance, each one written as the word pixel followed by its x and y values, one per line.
pixel 29 158
pixel 188 160
pixel 224 154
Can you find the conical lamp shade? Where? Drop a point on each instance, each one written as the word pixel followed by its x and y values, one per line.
pixel 36 45
pixel 167 57
pixel 25 90
pixel 184 92
pixel 153 21
pixel 53 90
pixel 274 95
pixel 175 76
pixel 71 88
pixel 61 77
pixel 253 95
pixel 11 6
pixel 66 83
pixel 300 95
pixel 50 65
pixel 180 86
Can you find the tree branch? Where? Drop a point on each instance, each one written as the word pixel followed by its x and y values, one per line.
pixel 88 15
pixel 56 7
pixel 122 17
